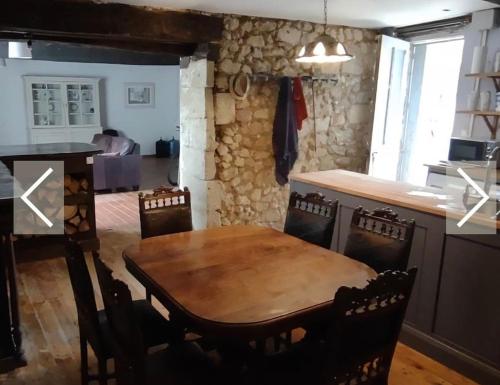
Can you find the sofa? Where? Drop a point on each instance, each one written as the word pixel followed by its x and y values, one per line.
pixel 118 166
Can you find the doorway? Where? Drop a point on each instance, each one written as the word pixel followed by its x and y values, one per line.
pixel 415 108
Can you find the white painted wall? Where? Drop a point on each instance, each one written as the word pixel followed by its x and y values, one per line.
pixel 466 85
pixel 143 125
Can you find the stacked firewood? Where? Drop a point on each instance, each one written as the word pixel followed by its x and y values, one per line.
pixel 75 216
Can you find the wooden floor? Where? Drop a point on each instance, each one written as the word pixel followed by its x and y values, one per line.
pixel 49 315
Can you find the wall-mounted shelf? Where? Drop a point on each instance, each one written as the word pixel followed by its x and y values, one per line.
pixel 495 76
pixel 491 118
pixel 492 124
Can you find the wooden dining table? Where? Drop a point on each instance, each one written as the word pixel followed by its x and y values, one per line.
pixel 248 282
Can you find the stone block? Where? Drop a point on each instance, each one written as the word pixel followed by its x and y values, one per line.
pixel 289 35
pixel 196 103
pixel 359 113
pixel 198 163
pixel 198 134
pixel 199 74
pixel 225 108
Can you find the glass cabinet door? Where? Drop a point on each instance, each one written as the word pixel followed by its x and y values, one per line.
pixel 81 104
pixel 47 105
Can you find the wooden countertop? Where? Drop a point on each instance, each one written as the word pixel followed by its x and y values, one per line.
pixel 425 199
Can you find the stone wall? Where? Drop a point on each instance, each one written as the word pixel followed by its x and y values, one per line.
pixel 336 134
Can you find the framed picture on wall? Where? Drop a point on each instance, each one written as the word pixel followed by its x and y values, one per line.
pixel 139 94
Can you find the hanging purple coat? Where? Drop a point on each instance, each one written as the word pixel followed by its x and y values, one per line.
pixel 285 137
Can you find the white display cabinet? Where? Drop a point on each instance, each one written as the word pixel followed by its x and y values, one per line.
pixel 62 109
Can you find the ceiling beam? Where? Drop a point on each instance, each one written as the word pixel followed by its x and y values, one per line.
pixel 138 46
pixel 114 25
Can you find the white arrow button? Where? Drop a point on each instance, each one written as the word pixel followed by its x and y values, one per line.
pixel 30 204
pixel 479 204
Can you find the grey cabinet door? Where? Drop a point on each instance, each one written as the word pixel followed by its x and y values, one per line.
pixel 468 308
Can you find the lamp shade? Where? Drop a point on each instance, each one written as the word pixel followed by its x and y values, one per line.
pixel 324 49
pixel 19 50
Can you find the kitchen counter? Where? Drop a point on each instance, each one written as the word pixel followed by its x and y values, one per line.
pixel 453 314
pixel 424 199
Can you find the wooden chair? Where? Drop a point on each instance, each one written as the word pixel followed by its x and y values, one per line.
pixel 93 324
pixel 379 239
pixel 311 218
pixel 183 364
pixel 357 343
pixel 166 211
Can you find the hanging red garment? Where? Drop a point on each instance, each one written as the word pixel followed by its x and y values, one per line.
pixel 299 101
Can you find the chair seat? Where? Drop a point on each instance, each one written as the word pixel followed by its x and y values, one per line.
pixel 155 328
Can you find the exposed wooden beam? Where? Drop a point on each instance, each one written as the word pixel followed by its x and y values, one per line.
pixel 138 46
pixel 114 25
pixel 80 53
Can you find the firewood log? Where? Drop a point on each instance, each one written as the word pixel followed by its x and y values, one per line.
pixel 67 192
pixel 74 187
pixel 70 229
pixel 51 196
pixel 70 211
pixel 42 193
pixel 53 184
pixel 67 180
pixel 83 211
pixel 84 226
pixel 49 211
pixel 75 220
pixel 85 184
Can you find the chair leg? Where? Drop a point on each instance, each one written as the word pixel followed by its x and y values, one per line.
pixel 103 371
pixel 288 339
pixel 277 343
pixel 260 346
pixel 84 360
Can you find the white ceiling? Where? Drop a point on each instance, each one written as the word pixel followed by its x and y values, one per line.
pixel 356 13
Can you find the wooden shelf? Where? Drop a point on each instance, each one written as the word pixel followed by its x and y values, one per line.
pixel 480 113
pixel 494 76
pixel 484 75
pixel 487 115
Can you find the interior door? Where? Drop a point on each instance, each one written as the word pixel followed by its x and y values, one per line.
pixel 389 117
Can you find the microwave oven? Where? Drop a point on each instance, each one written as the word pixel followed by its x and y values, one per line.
pixel 472 150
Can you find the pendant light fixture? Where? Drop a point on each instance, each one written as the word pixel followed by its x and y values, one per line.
pixel 324 49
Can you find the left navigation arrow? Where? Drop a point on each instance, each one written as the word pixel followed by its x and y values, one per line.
pixel 30 204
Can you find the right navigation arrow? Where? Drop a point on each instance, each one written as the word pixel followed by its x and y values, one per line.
pixel 479 204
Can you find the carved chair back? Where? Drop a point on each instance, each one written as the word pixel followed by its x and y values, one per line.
pixel 83 292
pixel 166 211
pixel 379 239
pixel 365 326
pixel 128 344
pixel 311 218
